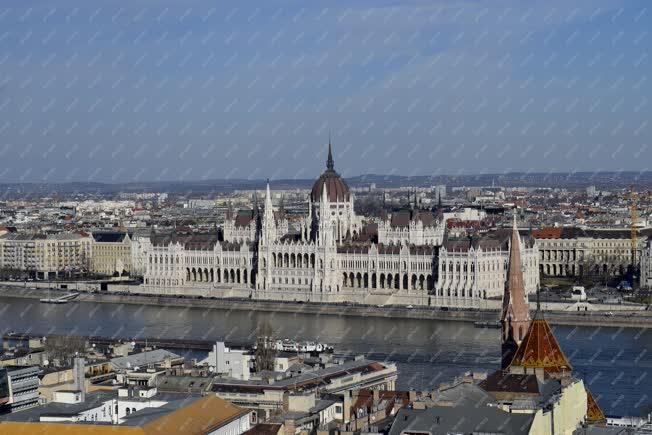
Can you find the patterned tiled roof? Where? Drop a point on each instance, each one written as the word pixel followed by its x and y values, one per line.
pixel 540 349
pixel 594 413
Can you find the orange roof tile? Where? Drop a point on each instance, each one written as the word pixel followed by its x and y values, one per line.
pixel 547 233
pixel 540 349
pixel 37 428
pixel 200 417
pixel 593 412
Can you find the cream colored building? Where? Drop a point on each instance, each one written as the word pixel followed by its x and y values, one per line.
pixel 111 253
pixel 46 255
pixel 582 252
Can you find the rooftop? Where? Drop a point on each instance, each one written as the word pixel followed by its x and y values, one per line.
pixel 187 414
pixel 155 356
pixel 302 381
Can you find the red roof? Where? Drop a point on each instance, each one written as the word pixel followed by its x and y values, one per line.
pixel 336 187
pixel 540 349
pixel 593 412
pixel 547 233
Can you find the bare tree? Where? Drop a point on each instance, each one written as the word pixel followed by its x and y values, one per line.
pixel 265 348
pixel 64 349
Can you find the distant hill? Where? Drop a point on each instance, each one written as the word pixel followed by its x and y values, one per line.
pixel 602 180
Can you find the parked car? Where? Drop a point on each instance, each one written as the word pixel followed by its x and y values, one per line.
pixel 624 286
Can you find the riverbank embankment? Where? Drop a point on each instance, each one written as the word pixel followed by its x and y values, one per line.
pixel 636 319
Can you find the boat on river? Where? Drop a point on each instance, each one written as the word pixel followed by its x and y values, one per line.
pixel 288 345
pixel 61 299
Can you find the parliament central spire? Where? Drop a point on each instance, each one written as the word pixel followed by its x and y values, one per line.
pixel 330 164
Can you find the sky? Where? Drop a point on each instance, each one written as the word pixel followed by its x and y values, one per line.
pixel 146 90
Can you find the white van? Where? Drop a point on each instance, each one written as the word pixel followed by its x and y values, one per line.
pixel 578 293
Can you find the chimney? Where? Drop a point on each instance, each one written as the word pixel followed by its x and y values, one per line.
pixel 80 377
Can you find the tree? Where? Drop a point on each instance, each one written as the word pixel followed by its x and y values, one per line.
pixel 265 348
pixel 64 349
pixel 369 206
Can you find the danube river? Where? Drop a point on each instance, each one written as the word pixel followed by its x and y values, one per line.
pixel 615 362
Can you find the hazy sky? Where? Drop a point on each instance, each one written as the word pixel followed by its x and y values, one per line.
pixel 189 89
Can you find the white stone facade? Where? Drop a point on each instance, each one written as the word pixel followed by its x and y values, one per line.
pixel 479 270
pixel 325 257
pixel 411 228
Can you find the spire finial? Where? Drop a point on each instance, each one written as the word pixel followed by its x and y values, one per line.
pixel 329 163
pixel 268 198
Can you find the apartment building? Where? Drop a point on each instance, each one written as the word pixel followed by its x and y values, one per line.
pixel 44 255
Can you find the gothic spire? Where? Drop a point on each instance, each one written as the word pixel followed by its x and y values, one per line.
pixel 330 165
pixel 515 300
pixel 515 318
pixel 269 209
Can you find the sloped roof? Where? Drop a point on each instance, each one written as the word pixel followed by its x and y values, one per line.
pixel 199 417
pixel 498 239
pixel 155 356
pixel 264 429
pixel 42 428
pixel 402 218
pixel 189 241
pixel 469 418
pixel 594 413
pixel 593 233
pixel 109 236
pixel 365 400
pixel 244 218
pixel 499 382
pixel 336 187
pixel 540 348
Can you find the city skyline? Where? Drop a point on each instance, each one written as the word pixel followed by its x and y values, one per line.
pixel 287 217
pixel 191 91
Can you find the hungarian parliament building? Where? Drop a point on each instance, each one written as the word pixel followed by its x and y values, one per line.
pixel 331 254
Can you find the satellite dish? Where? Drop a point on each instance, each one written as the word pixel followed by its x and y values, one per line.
pixel 46 362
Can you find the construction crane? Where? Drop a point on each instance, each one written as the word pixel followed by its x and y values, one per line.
pixel 633 197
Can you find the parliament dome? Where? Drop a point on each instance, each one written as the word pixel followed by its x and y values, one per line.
pixel 336 187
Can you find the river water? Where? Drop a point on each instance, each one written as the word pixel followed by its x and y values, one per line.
pixel 616 363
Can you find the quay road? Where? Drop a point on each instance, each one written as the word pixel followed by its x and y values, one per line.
pixel 617 318
pixel 166 343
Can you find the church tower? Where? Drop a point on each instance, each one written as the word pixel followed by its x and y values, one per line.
pixel 515 318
